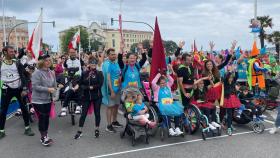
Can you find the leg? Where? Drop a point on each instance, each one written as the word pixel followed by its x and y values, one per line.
pixel 277 122
pixel 24 109
pixel 109 115
pixel 43 110
pixel 67 98
pixel 177 121
pixel 84 113
pixel 97 104
pixel 229 117
pixel 5 101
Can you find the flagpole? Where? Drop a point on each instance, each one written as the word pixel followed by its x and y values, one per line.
pixel 80 44
pixel 255 16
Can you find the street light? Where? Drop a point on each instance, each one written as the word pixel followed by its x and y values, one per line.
pixel 52 22
pixel 138 22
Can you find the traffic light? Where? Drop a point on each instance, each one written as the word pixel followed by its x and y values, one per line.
pixel 112 21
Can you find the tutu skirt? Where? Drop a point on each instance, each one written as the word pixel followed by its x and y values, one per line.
pixel 174 109
pixel 207 105
pixel 214 93
pixel 232 102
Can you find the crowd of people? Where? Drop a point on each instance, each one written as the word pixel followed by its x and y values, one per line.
pixel 209 80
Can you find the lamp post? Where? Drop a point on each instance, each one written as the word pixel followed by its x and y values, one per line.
pixel 4 24
pixel 138 22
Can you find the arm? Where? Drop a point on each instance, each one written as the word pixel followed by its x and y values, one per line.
pixel 170 81
pixel 143 60
pixel 150 52
pixel 225 63
pixel 155 80
pixel 258 68
pixel 120 61
pixel 177 53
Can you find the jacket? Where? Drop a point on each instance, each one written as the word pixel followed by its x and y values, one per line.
pixel 94 79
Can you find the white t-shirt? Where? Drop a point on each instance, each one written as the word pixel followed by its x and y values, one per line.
pixel 10 75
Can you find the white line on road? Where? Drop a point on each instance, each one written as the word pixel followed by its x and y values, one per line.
pixel 171 144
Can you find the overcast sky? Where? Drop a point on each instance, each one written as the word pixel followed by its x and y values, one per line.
pixel 219 20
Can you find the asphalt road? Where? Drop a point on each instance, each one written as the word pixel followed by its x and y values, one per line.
pixel 244 143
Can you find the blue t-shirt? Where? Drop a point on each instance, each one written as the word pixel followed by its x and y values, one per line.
pixel 242 70
pixel 115 73
pixel 136 108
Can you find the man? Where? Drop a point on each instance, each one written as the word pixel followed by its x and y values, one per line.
pixel 73 63
pixel 255 72
pixel 111 89
pixel 13 84
pixel 186 78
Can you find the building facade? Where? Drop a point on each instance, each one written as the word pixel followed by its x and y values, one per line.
pixel 16 36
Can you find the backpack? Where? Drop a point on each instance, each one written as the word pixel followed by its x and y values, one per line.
pixel 125 69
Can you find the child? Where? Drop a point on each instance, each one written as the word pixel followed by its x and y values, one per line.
pixel 230 101
pixel 199 96
pixel 139 112
pixel 167 107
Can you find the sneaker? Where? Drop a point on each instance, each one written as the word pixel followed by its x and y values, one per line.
pixel 28 131
pixel 178 131
pixel 78 135
pixel 2 135
pixel 117 124
pixel 111 129
pixel 215 124
pixel 229 131
pixel 78 110
pixel 96 133
pixel 63 112
pixel 46 141
pixel 274 130
pixel 212 127
pixel 172 132
pixel 18 113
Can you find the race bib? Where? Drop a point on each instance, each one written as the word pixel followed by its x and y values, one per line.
pixel 167 100
pixel 116 83
pixel 132 84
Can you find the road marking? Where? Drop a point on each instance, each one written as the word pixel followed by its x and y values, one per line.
pixel 268 121
pixel 171 144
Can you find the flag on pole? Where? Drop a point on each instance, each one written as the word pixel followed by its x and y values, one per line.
pixel 74 41
pixel 158 56
pixel 35 41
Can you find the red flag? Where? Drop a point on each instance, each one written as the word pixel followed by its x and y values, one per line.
pixel 35 41
pixel 158 56
pixel 75 41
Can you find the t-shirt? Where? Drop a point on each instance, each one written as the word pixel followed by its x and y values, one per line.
pixel 187 74
pixel 242 70
pixel 115 73
pixel 74 64
pixel 137 108
pixel 10 75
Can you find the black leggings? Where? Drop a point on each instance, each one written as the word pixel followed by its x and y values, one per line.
pixel 6 97
pixel 70 94
pixel 43 111
pixel 96 108
pixel 229 112
pixel 210 114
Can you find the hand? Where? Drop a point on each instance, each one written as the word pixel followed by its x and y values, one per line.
pixel 188 95
pixel 181 44
pixel 91 87
pixel 60 86
pixel 211 45
pixel 51 90
pixel 23 93
pixel 113 95
pixel 233 44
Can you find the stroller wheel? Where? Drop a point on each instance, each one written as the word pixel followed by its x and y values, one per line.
pixel 258 127
pixel 203 134
pixel 122 134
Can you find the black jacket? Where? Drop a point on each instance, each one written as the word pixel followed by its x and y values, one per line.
pixel 22 73
pixel 94 79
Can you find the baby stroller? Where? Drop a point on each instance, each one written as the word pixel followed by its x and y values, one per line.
pixel 134 128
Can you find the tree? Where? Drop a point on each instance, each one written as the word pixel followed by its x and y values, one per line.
pixel 265 22
pixel 274 38
pixel 68 37
pixel 170 46
pixel 95 45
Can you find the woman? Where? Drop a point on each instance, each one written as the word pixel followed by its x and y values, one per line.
pixel 91 83
pixel 214 87
pixel 43 87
